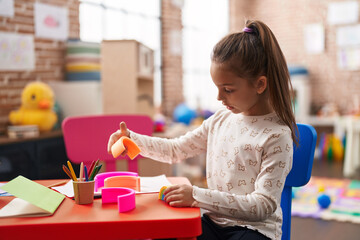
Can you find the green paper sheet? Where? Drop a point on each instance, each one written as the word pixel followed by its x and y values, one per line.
pixel 34 193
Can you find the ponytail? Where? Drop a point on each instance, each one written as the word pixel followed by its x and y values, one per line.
pixel 253 53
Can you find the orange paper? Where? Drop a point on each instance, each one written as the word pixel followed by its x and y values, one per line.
pixel 125 143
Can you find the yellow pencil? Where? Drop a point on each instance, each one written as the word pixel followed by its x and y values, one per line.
pixel 72 170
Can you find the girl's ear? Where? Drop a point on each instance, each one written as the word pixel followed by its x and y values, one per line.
pixel 261 84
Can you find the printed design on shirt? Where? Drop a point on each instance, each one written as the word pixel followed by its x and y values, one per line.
pixel 278 184
pixel 150 148
pixel 267 183
pixel 223 153
pixel 274 135
pixel 236 150
pixel 193 147
pixel 247 147
pixel 185 154
pixel 199 135
pixel 134 137
pixel 230 198
pixel 253 210
pixel 241 182
pixel 244 199
pixel 282 164
pixel 215 173
pixel 228 125
pixel 229 186
pixel 252 181
pixel 239 121
pixel 269 169
pixel 268 119
pixel 253 133
pixel 287 148
pixel 223 139
pixel 220 188
pixel 222 173
pixel 231 139
pixel 258 148
pixel 254 120
pixel 166 152
pixel 230 163
pixel 212 130
pixel 217 158
pixel 268 210
pixel 208 193
pixel 266 130
pixel 277 149
pixel 244 130
pixel 241 167
pixel 208 175
pixel 264 156
pixel 252 163
pixel 233 211
pixel 216 205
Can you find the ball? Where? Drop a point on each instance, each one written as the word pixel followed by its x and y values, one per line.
pixel 184 114
pixel 324 201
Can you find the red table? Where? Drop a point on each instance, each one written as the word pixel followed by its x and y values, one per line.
pixel 152 218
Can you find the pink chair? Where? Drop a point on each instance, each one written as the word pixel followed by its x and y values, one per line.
pixel 86 137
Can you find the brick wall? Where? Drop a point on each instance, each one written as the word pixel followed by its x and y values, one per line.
pixel 171 28
pixel 49 54
pixel 287 19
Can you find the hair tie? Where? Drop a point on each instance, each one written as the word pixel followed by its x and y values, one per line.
pixel 247 30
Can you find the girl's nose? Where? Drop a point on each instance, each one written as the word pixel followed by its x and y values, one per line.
pixel 219 97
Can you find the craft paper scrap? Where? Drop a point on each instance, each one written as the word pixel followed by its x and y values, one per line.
pixel 147 185
pixel 153 184
pixel 31 193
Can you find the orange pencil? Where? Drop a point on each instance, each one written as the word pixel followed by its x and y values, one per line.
pixel 67 171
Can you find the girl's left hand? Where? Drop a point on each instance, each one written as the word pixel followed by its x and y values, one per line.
pixel 179 195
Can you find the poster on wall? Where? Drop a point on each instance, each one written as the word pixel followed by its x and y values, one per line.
pixel 345 12
pixel 51 21
pixel 17 52
pixel 7 8
pixel 348 36
pixel 349 58
pixel 314 38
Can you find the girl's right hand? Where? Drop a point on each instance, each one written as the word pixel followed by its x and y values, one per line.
pixel 123 131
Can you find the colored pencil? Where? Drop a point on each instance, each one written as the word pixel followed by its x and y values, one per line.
pixel 72 171
pixel 86 174
pixel 67 171
pixel 81 171
pixel 58 184
pixel 91 167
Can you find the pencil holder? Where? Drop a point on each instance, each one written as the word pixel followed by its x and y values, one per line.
pixel 84 192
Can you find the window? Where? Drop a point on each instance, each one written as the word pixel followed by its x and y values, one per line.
pixel 124 19
pixel 205 23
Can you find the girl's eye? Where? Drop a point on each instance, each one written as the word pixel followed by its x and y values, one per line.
pixel 228 90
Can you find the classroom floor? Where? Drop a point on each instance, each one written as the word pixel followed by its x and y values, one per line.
pixel 309 228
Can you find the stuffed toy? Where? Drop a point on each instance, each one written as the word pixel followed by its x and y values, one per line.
pixel 37 101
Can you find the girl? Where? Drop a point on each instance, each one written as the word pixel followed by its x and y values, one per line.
pixel 249 144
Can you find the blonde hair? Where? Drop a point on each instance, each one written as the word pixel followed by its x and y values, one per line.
pixel 255 52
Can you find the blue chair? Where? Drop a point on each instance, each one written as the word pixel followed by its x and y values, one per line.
pixel 300 173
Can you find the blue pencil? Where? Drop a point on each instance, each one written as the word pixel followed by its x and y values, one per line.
pixel 86 174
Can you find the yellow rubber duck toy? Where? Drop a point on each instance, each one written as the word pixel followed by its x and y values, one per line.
pixel 37 101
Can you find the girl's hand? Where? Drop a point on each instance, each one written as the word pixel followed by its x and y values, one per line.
pixel 179 196
pixel 123 131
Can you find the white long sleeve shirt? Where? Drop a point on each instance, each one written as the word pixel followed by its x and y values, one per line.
pixel 247 161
